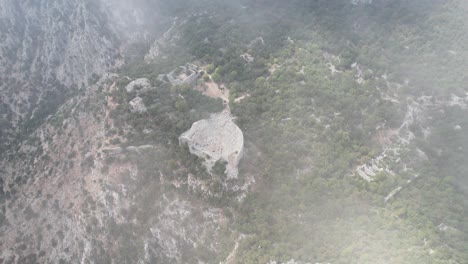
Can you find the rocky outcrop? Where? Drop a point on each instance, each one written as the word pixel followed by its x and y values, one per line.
pixel 137 105
pixel 141 84
pixel 216 138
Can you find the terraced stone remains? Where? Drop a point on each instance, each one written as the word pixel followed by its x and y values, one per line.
pixel 216 138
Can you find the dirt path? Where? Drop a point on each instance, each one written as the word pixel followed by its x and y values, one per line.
pixel 215 90
pixel 232 256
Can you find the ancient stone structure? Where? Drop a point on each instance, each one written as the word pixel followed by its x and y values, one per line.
pixel 216 138
pixel 187 74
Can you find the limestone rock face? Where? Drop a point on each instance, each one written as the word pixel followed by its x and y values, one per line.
pixel 169 38
pixel 49 49
pixel 216 138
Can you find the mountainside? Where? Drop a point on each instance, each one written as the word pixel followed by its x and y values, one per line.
pixel 209 131
pixel 100 202
pixel 48 51
pixel 51 50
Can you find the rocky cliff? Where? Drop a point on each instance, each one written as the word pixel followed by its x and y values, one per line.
pixel 52 50
pixel 48 51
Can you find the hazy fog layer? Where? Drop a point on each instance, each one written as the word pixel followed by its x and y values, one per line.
pixel 209 131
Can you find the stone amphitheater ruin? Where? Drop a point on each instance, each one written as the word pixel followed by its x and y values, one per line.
pixel 216 138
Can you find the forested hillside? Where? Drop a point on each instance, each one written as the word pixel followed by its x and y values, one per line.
pixel 331 86
pixel 354 119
